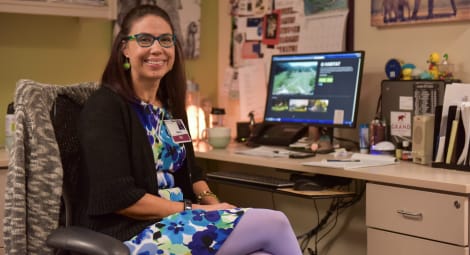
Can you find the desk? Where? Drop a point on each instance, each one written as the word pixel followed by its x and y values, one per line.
pixel 411 181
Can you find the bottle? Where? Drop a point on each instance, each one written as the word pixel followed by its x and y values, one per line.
pixel 217 117
pixel 406 151
pixel 364 138
pixel 9 127
pixel 377 131
pixel 398 151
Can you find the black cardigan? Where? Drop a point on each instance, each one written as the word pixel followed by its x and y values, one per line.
pixel 118 166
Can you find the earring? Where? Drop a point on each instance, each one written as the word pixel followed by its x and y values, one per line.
pixel 126 64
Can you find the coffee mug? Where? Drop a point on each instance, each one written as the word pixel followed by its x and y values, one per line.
pixel 218 137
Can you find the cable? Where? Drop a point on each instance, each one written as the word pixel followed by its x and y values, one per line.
pixel 335 221
pixel 321 223
pixel 316 236
pixel 378 109
pixel 307 236
pixel 336 207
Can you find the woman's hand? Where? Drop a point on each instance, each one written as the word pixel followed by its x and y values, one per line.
pixel 213 207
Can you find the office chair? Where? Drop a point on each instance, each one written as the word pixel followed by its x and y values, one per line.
pixel 42 173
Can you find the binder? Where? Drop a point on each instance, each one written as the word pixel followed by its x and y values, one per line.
pixel 437 124
pixel 459 141
pixel 452 134
pixel 450 119
pixel 452 137
pixel 455 94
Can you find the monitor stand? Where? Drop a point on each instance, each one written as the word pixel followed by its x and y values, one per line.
pixel 324 139
pixel 278 134
pixel 320 137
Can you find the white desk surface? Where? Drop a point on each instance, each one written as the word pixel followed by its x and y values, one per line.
pixel 3 158
pixel 403 173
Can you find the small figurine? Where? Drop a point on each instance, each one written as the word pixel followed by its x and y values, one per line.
pixel 251 126
pixel 433 62
pixel 407 71
pixel 445 69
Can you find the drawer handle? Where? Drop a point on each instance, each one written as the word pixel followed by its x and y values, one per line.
pixel 410 214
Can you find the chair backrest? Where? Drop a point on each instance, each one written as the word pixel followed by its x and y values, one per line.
pixel 36 173
pixel 64 116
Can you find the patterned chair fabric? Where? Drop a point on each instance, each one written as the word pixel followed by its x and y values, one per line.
pixel 34 178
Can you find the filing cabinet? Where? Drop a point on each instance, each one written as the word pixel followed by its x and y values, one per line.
pixel 403 220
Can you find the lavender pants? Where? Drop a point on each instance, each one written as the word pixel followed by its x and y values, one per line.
pixel 261 231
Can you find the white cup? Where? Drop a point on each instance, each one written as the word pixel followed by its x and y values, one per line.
pixel 218 137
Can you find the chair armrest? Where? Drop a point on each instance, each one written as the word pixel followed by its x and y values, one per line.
pixel 86 241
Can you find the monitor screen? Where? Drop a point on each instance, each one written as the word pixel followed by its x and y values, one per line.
pixel 320 89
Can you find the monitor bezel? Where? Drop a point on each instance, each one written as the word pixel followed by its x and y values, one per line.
pixel 334 125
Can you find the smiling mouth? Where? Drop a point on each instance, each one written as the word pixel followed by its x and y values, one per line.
pixel 155 62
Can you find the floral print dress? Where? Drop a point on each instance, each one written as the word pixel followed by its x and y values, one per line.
pixel 194 232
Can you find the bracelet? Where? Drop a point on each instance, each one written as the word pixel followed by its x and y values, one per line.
pixel 205 193
pixel 187 205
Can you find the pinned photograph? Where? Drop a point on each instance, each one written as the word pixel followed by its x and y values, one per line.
pixel 271 28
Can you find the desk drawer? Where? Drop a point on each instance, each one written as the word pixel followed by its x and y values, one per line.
pixel 381 242
pixel 431 215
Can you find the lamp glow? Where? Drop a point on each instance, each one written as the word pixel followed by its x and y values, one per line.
pixel 196 121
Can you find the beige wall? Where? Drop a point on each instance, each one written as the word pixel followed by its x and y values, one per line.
pixel 412 43
pixel 64 50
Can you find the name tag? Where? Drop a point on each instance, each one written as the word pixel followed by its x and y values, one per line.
pixel 178 131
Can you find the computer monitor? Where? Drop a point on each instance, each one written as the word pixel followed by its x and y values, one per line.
pixel 314 89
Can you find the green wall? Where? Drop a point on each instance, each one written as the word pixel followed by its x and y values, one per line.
pixel 65 50
pixel 204 70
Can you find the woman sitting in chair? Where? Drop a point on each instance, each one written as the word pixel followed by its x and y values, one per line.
pixel 137 180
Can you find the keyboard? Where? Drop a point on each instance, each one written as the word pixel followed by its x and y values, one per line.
pixel 269 181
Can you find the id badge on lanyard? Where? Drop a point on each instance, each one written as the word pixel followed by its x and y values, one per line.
pixel 177 131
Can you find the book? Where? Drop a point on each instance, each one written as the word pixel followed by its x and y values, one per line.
pixel 450 119
pixel 452 137
pixel 459 141
pixel 437 124
pixel 454 94
pixel 465 114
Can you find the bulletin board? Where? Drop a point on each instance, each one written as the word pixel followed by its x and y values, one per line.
pixel 262 28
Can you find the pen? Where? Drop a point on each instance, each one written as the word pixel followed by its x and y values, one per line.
pixel 343 160
pixel 280 152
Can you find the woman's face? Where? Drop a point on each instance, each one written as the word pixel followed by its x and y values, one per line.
pixel 149 64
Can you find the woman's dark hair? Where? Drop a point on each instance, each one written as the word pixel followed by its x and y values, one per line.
pixel 172 89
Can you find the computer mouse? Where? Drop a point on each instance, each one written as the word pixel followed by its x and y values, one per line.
pixel 384 146
pixel 307 186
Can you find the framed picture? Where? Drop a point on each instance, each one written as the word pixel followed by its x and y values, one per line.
pixel 405 12
pixel 271 29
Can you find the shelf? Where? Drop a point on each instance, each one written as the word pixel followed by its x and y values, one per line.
pixel 60 8
pixel 326 193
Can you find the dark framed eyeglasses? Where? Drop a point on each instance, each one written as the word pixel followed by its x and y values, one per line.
pixel 146 40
